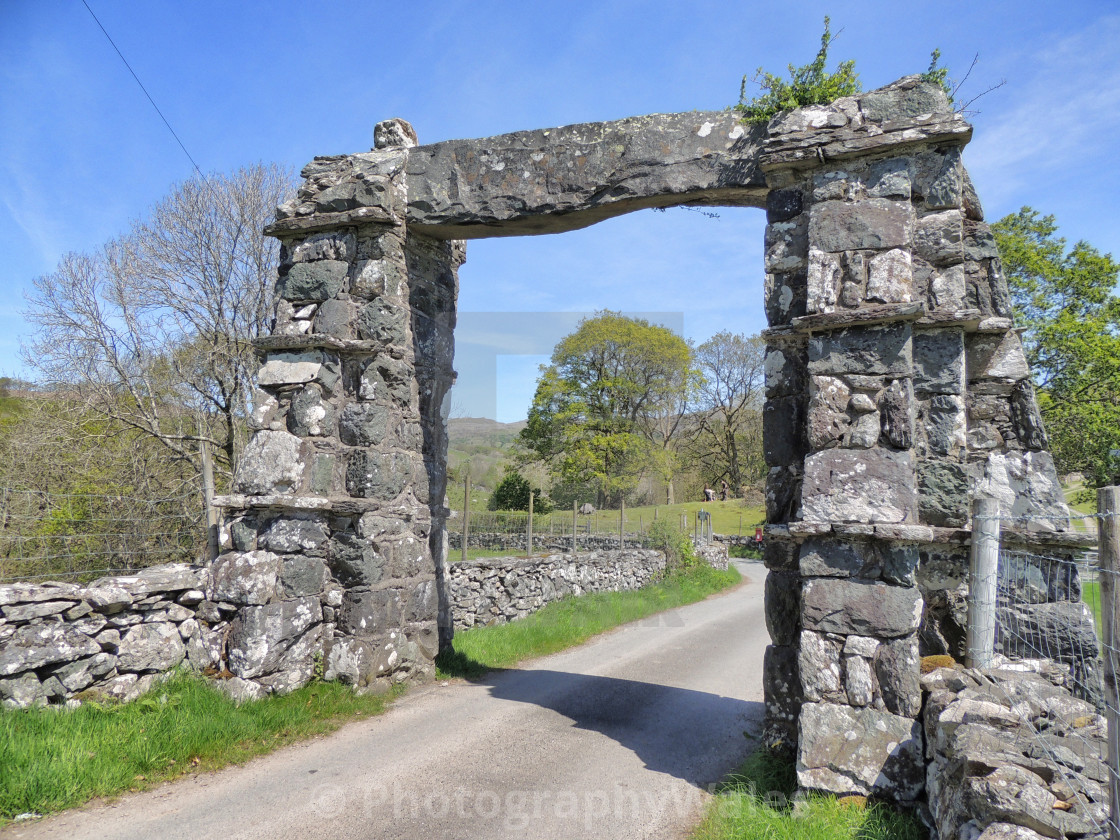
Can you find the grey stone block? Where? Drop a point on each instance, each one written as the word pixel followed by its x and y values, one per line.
pixel 319 280
pixel 860 607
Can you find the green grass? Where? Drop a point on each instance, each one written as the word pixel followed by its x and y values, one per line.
pixel 56 759
pixel 1091 595
pixel 563 624
pixel 480 553
pixel 744 552
pixel 754 804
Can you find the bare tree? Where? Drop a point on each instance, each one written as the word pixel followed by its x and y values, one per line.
pixel 154 330
pixel 728 417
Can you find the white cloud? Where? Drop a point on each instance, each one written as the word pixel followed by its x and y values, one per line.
pixel 1064 116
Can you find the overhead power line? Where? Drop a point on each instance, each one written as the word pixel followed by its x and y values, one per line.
pixel 141 84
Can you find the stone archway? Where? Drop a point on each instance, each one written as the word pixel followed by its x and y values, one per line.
pixel 896 386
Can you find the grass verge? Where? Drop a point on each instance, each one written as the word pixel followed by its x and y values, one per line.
pixel 566 623
pixel 755 804
pixel 57 759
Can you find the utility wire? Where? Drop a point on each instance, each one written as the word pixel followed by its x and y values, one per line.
pixel 137 78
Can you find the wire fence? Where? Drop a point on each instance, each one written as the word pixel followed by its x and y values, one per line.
pixel 1040 601
pixel 510 530
pixel 47 535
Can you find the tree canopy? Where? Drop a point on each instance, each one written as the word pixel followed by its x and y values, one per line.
pixel 610 405
pixel 728 421
pixel 1065 298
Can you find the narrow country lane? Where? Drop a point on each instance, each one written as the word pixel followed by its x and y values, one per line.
pixel 614 739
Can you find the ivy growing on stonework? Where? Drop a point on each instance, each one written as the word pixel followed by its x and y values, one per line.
pixel 808 85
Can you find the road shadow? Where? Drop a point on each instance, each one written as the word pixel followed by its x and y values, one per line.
pixel 692 735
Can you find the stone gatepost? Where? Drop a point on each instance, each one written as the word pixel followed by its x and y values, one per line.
pixel 335 534
pixel 895 389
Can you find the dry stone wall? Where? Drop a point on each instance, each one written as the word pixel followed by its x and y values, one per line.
pixel 1013 754
pixel 110 638
pixel 497 590
pixel 543 542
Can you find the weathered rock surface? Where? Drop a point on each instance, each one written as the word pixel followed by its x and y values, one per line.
pixel 36 645
pixel 245 578
pixel 859 751
pixel 844 485
pixel 270 464
pixel 860 607
pixel 1014 754
pixel 151 647
pixel 551 180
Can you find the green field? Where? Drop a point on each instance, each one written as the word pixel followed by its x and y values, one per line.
pixel 1091 595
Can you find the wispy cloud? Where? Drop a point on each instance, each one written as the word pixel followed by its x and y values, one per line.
pixel 1065 116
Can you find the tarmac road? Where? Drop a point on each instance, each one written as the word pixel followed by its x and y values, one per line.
pixel 618 738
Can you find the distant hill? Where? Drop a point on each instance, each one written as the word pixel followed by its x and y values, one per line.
pixel 463 431
pixel 487 445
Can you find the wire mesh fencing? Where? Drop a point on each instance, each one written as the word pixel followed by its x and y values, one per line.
pixel 1046 600
pixel 45 536
pixel 592 529
pixel 511 530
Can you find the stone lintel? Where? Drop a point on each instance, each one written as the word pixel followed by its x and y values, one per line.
pixel 566 178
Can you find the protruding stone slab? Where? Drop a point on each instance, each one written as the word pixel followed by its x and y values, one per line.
pixel 36 645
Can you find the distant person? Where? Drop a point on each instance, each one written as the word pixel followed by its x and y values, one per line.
pixel 709 494
pixel 723 489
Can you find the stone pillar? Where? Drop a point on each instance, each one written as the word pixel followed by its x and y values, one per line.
pixel 336 527
pixel 896 388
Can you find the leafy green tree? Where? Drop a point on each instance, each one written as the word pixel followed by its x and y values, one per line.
pixel 610 406
pixel 1065 298
pixel 810 84
pixel 512 493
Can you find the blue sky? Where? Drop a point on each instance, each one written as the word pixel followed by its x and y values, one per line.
pixel 82 152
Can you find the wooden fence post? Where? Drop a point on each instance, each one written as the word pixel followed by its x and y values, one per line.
pixel 466 510
pixel 621 523
pixel 1108 547
pixel 575 525
pixel 212 523
pixel 982 568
